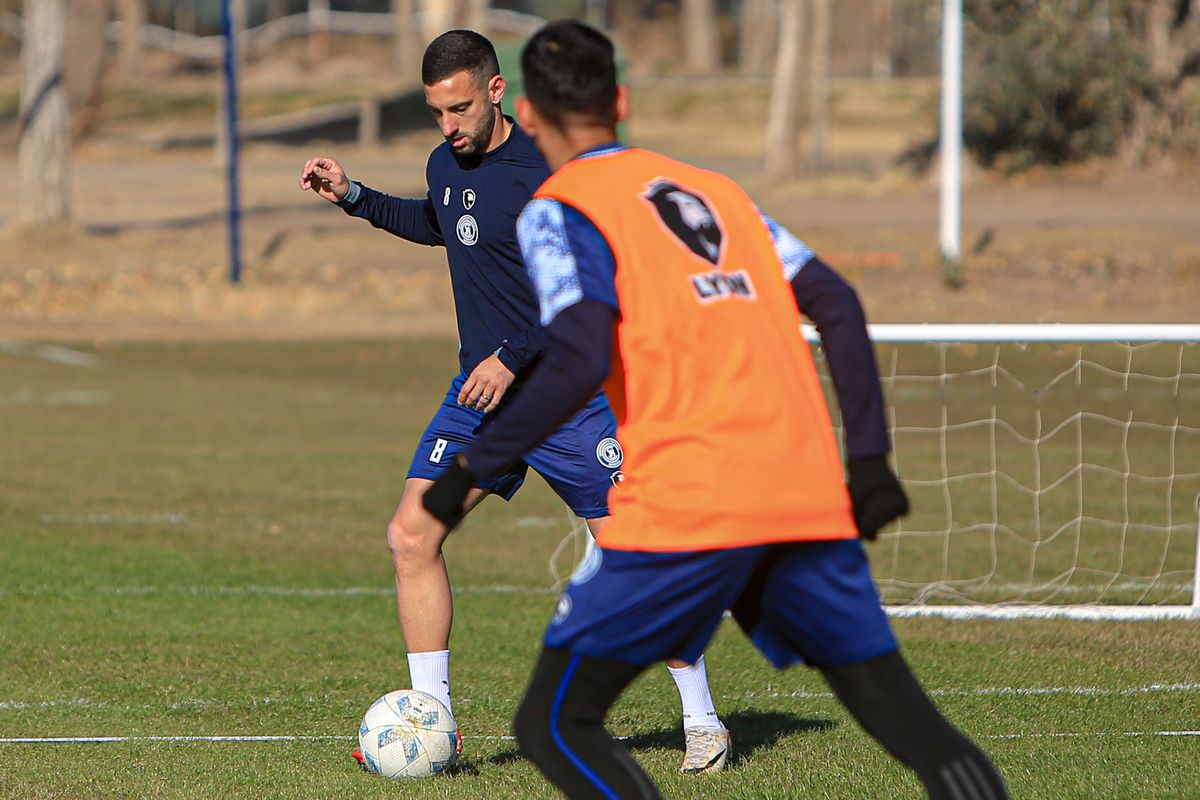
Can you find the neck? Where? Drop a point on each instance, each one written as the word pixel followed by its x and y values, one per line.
pixel 575 139
pixel 500 130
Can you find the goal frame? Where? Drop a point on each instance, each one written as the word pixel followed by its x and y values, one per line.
pixel 1038 333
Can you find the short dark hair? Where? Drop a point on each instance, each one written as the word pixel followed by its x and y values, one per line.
pixel 456 51
pixel 569 68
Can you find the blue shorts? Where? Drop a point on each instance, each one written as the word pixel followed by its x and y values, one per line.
pixel 798 601
pixel 581 460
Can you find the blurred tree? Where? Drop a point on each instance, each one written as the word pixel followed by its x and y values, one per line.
pixel 86 57
pixel 881 39
pixel 44 149
pixel 1168 32
pixel 476 16
pixel 133 17
pixel 1053 82
pixel 407 39
pixel 438 17
pixel 318 31
pixel 783 114
pixel 822 40
pixel 755 40
pixel 701 50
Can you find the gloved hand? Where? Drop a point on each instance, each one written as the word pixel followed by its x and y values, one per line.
pixel 445 498
pixel 875 494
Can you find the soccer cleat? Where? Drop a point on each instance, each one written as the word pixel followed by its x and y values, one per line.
pixel 707 750
pixel 357 755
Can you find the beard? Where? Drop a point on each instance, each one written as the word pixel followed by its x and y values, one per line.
pixel 477 140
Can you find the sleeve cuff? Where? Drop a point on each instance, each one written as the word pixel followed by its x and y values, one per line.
pixel 509 359
pixel 352 196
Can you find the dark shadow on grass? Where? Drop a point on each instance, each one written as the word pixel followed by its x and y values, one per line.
pixel 752 731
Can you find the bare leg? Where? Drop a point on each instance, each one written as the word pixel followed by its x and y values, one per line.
pixel 422 583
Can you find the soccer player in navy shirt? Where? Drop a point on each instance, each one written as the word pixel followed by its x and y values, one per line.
pixel 479 179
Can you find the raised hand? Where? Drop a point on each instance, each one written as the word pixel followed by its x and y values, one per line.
pixel 326 177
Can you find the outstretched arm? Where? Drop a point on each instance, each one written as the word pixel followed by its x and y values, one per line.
pixel 411 219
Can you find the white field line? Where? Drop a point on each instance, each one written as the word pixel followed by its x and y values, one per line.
pixel 69 397
pixel 351 591
pixel 1001 691
pixel 164 518
pixel 48 352
pixel 251 591
pixel 510 738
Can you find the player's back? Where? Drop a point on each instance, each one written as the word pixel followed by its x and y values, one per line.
pixel 726 435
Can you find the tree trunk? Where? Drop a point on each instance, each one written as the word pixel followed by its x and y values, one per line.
pixel 822 40
pixel 43 152
pixel 318 31
pixel 133 17
pixel 477 16
pixel 783 118
pixel 438 18
pixel 86 63
pixel 881 39
pixel 701 49
pixel 755 41
pixel 407 39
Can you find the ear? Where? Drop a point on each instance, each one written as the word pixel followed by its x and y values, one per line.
pixel 525 115
pixel 496 88
pixel 622 105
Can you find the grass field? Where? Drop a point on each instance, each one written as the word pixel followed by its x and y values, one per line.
pixel 192 544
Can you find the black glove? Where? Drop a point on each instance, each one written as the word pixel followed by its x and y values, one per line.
pixel 446 496
pixel 875 494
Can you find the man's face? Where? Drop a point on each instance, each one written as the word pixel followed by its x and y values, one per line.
pixel 463 106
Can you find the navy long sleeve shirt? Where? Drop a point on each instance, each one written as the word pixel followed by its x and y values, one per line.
pixel 471 209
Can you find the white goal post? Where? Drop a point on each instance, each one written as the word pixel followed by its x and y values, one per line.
pixel 1054 470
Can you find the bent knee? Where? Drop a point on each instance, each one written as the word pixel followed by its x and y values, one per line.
pixel 405 541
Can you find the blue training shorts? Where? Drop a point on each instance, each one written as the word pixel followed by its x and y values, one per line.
pixel 797 601
pixel 581 460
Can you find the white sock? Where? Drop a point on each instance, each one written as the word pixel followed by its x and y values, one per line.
pixel 430 673
pixel 692 683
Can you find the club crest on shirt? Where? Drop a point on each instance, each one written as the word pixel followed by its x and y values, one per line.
pixel 688 217
pixel 609 453
pixel 467 230
pixel 468 199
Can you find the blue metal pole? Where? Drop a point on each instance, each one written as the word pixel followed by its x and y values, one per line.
pixel 231 142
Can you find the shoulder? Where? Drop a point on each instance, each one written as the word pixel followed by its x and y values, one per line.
pixel 440 159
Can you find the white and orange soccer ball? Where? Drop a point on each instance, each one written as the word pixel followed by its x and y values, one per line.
pixel 408 734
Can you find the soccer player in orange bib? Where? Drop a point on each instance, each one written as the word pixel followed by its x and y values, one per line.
pixel 665 283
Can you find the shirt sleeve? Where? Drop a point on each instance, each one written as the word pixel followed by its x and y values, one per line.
pixel 567 257
pixel 832 304
pixel 411 219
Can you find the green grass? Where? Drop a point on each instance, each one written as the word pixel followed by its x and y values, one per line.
pixel 192 543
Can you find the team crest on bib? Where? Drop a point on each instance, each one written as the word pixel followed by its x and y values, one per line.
pixel 468 199
pixel 688 217
pixel 467 230
pixel 609 453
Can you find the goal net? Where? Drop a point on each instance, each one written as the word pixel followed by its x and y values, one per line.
pixel 1053 469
